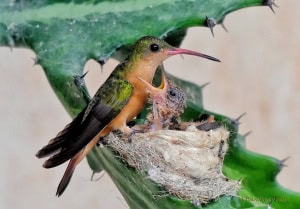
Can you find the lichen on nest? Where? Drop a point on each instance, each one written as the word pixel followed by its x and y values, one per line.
pixel 186 163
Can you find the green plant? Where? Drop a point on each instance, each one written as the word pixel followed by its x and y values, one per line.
pixel 52 30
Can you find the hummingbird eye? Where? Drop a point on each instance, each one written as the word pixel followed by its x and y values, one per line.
pixel 154 47
pixel 172 92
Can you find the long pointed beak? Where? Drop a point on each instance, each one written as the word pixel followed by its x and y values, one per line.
pixel 174 51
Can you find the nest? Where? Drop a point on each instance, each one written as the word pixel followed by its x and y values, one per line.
pixel 187 164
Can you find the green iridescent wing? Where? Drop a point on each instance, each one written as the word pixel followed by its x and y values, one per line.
pixel 103 108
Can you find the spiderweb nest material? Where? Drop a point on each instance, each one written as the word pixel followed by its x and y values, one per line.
pixel 187 164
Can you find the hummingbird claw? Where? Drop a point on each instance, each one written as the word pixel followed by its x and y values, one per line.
pixel 129 139
pixel 211 23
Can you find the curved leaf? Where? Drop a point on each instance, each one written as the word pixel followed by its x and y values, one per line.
pixel 66 33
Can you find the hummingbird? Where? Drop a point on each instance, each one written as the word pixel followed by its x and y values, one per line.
pixel 168 102
pixel 117 102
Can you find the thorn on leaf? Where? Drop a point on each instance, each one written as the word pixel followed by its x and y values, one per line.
pixel 247 134
pixel 270 3
pixel 79 80
pixel 240 180
pixel 98 178
pixel 204 85
pixel 102 61
pixel 211 23
pixel 242 115
pixel 11 43
pixel 35 60
pixel 281 163
pixel 236 122
pixel 221 22
pixel 223 25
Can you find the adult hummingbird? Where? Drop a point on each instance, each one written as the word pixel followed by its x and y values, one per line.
pixel 117 101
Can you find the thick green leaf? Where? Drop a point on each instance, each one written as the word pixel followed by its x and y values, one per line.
pixel 257 172
pixel 64 34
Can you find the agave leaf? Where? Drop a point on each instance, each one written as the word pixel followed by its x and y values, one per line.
pixel 64 34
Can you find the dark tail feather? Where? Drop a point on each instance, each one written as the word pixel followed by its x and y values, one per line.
pixel 64 182
pixel 76 136
pixel 50 163
pixel 55 145
pixel 74 142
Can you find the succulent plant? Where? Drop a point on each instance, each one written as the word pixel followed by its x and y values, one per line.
pixel 64 34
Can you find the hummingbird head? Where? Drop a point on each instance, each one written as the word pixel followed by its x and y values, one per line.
pixel 157 50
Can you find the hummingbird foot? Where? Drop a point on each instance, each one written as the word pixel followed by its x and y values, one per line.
pixel 126 130
pixel 127 133
pixel 129 138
